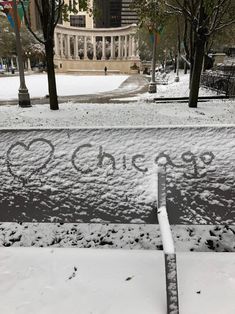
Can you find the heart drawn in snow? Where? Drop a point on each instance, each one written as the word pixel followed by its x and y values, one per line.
pixel 25 160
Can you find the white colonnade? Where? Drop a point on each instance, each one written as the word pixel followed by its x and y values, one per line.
pixel 96 44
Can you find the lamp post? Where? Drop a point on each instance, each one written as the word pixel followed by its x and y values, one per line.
pixel 178 51
pixel 23 95
pixel 177 68
pixel 153 85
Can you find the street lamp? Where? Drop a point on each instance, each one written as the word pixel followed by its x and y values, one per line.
pixel 177 68
pixel 178 51
pixel 153 85
pixel 23 95
pixel 165 59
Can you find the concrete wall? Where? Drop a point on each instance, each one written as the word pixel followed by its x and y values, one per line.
pixel 123 66
pixel 81 175
pixel 219 58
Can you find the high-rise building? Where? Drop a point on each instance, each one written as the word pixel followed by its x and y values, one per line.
pixel 108 13
pixel 128 16
pixel 114 13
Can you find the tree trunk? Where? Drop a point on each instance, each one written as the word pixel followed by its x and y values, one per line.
pixel 196 74
pixel 175 63
pixel 191 53
pixel 51 76
pixel 185 68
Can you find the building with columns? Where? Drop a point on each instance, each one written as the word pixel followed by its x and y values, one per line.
pixel 90 50
pixel 82 47
pixel 87 44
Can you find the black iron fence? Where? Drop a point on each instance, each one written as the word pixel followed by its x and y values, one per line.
pixel 220 79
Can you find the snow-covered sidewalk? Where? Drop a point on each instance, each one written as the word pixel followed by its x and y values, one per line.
pixel 58 281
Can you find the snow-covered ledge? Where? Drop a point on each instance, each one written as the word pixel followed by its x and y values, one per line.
pixel 105 175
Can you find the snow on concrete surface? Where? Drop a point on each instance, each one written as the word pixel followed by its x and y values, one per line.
pixel 67 85
pixel 58 281
pixel 198 238
pixel 105 175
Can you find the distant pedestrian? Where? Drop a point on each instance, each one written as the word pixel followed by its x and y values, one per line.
pixel 105 70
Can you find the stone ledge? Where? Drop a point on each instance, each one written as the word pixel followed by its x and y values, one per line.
pixel 94 71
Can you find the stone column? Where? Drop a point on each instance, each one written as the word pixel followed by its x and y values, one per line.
pixel 103 48
pixel 68 47
pixel 94 48
pixel 119 47
pixel 132 46
pixel 85 48
pixel 137 50
pixel 112 55
pixel 65 45
pixel 129 47
pixel 76 47
pixel 135 47
pixel 61 45
pixel 125 48
pixel 56 44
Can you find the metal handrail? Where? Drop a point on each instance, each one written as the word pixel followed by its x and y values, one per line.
pixel 168 243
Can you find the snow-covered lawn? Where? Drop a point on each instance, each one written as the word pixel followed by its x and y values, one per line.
pixel 67 85
pixel 141 111
pixel 84 281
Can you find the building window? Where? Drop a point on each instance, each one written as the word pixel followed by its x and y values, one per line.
pixel 78 20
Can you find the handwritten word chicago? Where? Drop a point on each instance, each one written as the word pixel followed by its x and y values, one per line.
pixel 137 161
pixel 100 159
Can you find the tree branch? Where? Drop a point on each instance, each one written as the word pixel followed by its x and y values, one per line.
pixel 39 9
pixel 28 24
pixel 225 25
pixel 58 12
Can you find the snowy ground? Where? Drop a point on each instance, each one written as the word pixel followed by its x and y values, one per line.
pixel 66 85
pixel 140 110
pixel 58 281
pixel 51 280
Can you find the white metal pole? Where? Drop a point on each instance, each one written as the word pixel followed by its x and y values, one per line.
pixel 168 243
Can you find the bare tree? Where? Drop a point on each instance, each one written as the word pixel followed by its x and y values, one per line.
pixel 50 12
pixel 205 18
